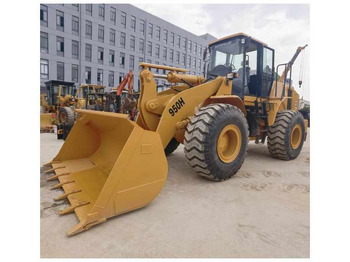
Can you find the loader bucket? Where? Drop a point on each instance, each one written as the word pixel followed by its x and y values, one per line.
pixel 45 119
pixel 107 166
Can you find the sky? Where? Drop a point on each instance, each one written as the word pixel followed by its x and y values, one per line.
pixel 283 27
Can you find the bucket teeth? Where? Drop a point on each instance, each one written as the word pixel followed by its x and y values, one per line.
pixel 70 209
pixel 52 162
pixel 65 195
pixel 53 169
pixel 56 176
pixel 61 184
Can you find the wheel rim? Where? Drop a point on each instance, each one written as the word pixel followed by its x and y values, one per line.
pixel 63 117
pixel 295 136
pixel 229 143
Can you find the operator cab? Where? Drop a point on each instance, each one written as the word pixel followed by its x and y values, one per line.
pixel 54 90
pixel 251 59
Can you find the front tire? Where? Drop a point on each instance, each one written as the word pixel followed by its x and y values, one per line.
pixel 216 141
pixel 286 136
pixel 66 116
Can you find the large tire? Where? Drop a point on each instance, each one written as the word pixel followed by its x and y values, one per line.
pixel 286 136
pixel 66 116
pixel 203 138
pixel 171 147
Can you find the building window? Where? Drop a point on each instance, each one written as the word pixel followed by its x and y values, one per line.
pixel 121 77
pixel 142 26
pixel 60 71
pixel 149 48
pixel 199 64
pixel 200 50
pixel 194 62
pixel 113 15
pixel 132 42
pixel 88 75
pixel 88 9
pixel 123 20
pixel 44 42
pixel 101 11
pixel 111 57
pixel 142 46
pixel 190 46
pixel 150 30
pixel 133 23
pixel 88 29
pixel 189 62
pixel 195 48
pixel 140 61
pixel 165 53
pixel 44 69
pixel 43 15
pixel 60 46
pixel 122 60
pixel 99 76
pixel 75 25
pixel 75 49
pixel 111 78
pixel 177 59
pixel 75 6
pixel 59 20
pixel 100 55
pixel 184 43
pixel 178 41
pixel 112 37
pixel 75 73
pixel 183 62
pixel 157 70
pixel 157 51
pixel 88 52
pixel 164 71
pixel 172 38
pixel 171 55
pixel 132 62
pixel 122 39
pixel 158 33
pixel 101 33
pixel 149 61
pixel 165 36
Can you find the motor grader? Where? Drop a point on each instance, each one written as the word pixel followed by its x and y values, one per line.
pixel 60 94
pixel 110 165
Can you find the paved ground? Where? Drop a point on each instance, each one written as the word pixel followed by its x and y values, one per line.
pixel 261 212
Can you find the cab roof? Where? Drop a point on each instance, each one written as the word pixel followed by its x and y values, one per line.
pixel 236 35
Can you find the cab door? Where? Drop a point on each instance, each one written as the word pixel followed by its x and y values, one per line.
pixel 267 71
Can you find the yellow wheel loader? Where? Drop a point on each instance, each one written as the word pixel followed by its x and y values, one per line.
pixel 110 165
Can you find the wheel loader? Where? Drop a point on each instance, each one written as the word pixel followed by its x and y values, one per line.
pixel 110 165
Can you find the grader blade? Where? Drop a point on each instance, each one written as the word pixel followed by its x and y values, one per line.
pixel 107 166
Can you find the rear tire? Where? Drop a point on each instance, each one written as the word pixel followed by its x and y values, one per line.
pixel 203 147
pixel 286 136
pixel 66 116
pixel 171 147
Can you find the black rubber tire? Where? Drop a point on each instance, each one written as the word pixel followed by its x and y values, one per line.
pixel 69 116
pixel 201 141
pixel 171 147
pixel 278 140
